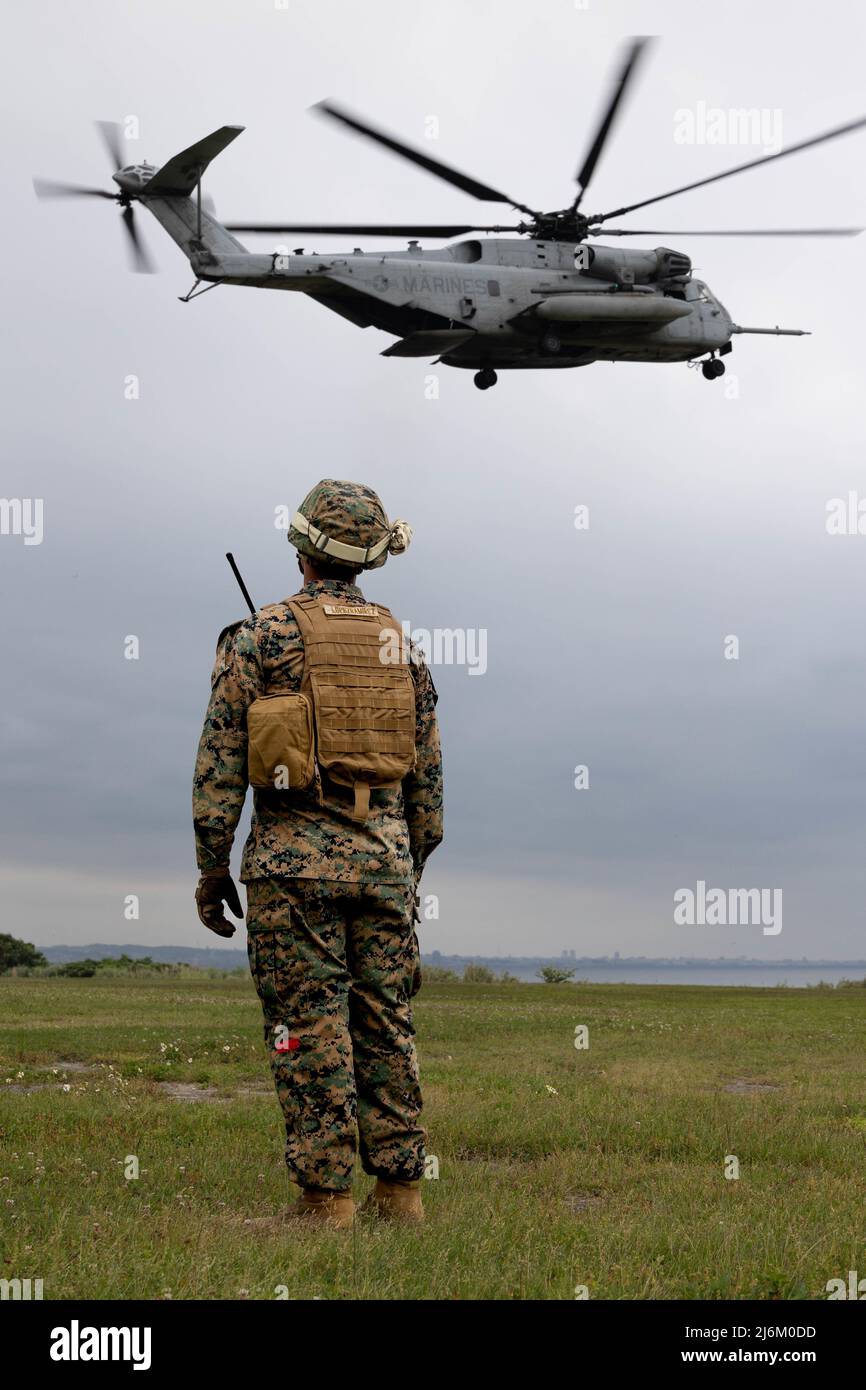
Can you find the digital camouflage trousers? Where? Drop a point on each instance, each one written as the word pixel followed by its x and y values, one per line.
pixel 335 966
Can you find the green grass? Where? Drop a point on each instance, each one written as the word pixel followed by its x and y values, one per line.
pixel 613 1179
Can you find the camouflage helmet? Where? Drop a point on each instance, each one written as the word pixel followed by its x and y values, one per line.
pixel 346 523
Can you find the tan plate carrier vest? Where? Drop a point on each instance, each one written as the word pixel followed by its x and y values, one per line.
pixel 355 713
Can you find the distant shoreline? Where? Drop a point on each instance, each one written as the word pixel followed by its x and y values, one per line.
pixel 594 969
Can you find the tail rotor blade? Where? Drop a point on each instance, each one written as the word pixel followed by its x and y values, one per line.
pixel 47 188
pixel 141 262
pixel 112 136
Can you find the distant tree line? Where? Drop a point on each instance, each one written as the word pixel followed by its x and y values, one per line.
pixel 477 974
pixel 15 953
pixel 22 958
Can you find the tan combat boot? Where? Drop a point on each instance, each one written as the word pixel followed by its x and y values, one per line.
pixel 395 1201
pixel 318 1205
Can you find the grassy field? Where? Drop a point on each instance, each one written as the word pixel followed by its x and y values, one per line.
pixel 603 1167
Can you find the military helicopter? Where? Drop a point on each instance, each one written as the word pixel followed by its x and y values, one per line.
pixel 547 299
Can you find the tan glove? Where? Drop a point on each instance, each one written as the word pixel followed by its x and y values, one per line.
pixel 213 889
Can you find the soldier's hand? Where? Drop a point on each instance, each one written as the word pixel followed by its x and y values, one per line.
pixel 416 968
pixel 213 890
pixel 416 897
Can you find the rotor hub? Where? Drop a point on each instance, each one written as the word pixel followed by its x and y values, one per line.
pixel 133 178
pixel 567 225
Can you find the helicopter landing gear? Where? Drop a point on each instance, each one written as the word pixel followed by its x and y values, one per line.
pixel 551 342
pixel 712 368
pixel 485 378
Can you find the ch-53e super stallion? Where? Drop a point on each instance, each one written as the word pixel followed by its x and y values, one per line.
pixel 548 300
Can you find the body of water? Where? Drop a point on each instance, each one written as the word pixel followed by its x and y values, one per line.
pixel 759 976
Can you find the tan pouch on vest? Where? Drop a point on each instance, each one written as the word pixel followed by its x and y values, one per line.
pixel 280 745
pixel 364 706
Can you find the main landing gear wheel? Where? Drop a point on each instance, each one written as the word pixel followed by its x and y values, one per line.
pixel 551 342
pixel 485 379
pixel 713 368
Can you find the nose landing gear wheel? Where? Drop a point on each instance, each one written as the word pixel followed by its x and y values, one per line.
pixel 485 379
pixel 713 368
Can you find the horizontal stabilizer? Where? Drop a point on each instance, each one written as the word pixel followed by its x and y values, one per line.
pixel 181 174
pixel 430 342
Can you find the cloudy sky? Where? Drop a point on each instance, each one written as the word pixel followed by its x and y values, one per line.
pixel 605 647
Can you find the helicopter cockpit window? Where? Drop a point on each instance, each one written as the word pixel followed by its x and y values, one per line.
pixel 700 292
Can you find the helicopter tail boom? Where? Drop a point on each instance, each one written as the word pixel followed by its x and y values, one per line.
pixel 173 196
pixel 196 231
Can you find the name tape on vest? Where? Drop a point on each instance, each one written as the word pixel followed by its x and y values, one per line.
pixel 351 610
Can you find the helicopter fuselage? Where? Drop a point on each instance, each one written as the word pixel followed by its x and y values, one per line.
pixel 502 303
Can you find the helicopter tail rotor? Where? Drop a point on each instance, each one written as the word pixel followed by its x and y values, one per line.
pixel 112 135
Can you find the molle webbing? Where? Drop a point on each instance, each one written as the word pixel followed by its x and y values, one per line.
pixel 357 674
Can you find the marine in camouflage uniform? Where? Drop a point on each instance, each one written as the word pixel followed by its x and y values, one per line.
pixel 331 901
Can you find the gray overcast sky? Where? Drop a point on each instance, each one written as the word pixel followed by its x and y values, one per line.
pixel 707 499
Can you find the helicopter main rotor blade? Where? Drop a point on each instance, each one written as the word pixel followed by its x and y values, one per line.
pixel 739 168
pixel 726 231
pixel 363 229
pixel 433 166
pixel 141 261
pixel 47 188
pixel 112 134
pixel 584 174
